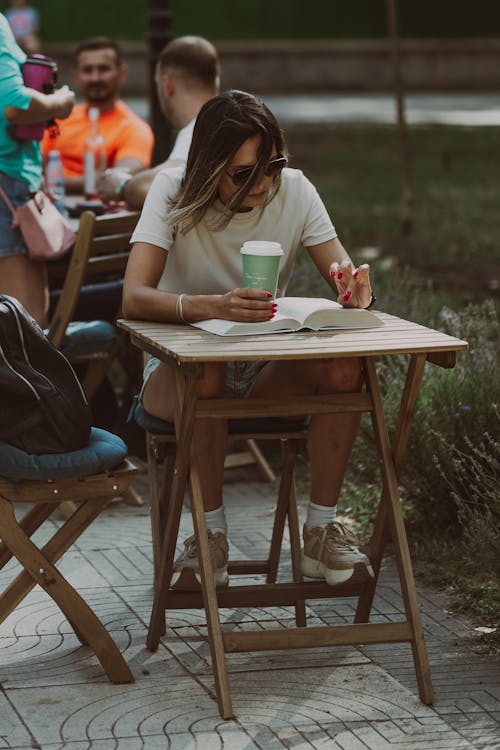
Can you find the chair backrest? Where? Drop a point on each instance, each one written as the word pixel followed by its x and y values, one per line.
pixel 100 254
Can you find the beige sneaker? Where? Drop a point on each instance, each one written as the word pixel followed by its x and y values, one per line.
pixel 186 574
pixel 330 552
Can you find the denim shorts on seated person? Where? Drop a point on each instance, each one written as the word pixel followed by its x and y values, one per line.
pixel 11 240
pixel 240 377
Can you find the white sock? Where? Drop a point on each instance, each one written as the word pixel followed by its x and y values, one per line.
pixel 216 520
pixel 320 515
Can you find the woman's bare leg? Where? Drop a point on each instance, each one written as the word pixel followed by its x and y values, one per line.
pixel 331 436
pixel 209 440
pixel 329 552
pixel 210 435
pixel 26 280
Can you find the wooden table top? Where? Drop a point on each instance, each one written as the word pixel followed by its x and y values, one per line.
pixel 185 343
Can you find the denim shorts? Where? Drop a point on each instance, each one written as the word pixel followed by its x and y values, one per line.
pixel 239 379
pixel 11 239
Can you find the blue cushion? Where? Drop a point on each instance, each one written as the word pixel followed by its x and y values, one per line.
pixel 85 338
pixel 103 453
pixel 264 425
pixel 151 424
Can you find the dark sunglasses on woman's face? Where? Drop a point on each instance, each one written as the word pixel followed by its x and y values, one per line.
pixel 273 168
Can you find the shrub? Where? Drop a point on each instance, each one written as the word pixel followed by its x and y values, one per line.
pixel 453 410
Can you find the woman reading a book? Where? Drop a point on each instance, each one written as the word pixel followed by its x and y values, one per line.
pixel 185 266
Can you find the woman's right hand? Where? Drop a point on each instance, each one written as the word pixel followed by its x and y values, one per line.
pixel 245 306
pixel 63 101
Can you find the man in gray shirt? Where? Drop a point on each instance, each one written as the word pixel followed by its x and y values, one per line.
pixel 187 75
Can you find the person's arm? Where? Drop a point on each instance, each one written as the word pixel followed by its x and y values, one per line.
pixel 43 107
pixel 119 185
pixel 352 285
pixel 130 164
pixel 127 165
pixel 143 301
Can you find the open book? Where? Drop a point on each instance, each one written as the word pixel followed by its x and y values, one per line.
pixel 295 313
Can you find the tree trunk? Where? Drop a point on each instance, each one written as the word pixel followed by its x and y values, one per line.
pixel 159 33
pixel 404 138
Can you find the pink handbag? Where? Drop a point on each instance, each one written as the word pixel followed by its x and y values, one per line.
pixel 47 234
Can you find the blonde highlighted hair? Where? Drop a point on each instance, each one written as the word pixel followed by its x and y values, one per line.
pixel 223 124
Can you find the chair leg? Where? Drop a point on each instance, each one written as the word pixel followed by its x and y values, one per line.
pixel 287 507
pixel 42 571
pixel 132 497
pixel 263 467
pixel 29 523
pixel 289 451
pixel 67 508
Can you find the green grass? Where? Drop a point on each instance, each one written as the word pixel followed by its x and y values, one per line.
pixel 438 276
pixel 356 169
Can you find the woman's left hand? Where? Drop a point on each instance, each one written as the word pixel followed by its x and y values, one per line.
pixel 353 284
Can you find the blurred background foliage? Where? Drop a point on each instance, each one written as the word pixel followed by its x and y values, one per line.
pixel 224 20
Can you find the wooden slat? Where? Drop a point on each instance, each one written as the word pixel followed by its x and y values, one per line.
pixel 333 635
pixel 284 407
pixel 266 594
pixel 34 491
pixel 442 359
pixel 122 222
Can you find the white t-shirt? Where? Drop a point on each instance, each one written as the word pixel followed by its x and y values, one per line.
pixel 182 142
pixel 207 260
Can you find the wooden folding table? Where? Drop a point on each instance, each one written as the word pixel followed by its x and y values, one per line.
pixel 186 349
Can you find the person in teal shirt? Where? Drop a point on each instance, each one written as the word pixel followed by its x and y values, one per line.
pixel 21 171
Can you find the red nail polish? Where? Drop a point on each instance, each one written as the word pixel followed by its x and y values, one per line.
pixel 347 296
pixel 355 275
pixel 332 274
pixel 269 295
pixel 339 275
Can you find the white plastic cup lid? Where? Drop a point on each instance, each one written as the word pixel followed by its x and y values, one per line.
pixel 261 247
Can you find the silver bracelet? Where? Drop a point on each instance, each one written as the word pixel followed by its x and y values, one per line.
pixel 178 309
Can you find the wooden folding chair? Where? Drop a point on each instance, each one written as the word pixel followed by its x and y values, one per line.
pixel 88 479
pixel 100 253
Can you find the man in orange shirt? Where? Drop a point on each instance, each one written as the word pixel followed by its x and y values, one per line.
pixel 98 72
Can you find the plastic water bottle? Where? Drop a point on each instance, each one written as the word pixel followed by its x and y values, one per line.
pixel 94 156
pixel 54 180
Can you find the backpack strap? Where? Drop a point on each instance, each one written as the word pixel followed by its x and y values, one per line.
pixel 15 221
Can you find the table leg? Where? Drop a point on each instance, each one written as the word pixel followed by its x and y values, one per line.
pixel 381 529
pixel 399 538
pixel 219 666
pixel 184 429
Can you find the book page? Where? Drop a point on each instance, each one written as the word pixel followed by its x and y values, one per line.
pixel 295 313
pixel 318 312
pixel 300 308
pixel 233 328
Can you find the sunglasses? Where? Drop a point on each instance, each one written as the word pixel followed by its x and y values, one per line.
pixel 273 168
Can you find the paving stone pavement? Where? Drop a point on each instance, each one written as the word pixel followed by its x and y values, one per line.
pixel 54 695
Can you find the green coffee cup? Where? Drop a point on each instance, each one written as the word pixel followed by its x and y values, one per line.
pixel 261 265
